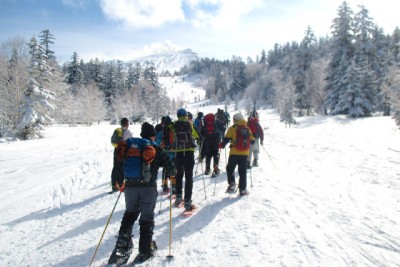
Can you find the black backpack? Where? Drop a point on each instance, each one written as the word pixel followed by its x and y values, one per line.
pixel 183 135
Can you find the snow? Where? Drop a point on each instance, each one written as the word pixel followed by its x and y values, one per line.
pixel 326 194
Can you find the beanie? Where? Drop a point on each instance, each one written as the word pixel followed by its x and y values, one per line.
pixel 147 130
pixel 181 112
pixel 238 117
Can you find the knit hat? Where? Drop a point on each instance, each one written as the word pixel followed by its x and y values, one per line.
pixel 238 117
pixel 181 112
pixel 147 130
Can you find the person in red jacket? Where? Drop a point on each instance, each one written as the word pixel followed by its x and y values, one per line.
pixel 258 133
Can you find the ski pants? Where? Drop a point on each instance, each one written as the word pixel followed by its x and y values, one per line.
pixel 140 200
pixel 241 162
pixel 254 150
pixel 117 173
pixel 184 164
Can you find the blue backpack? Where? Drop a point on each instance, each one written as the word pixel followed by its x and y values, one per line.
pixel 137 154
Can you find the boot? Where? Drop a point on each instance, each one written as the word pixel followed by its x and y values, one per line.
pixel 208 171
pixel 248 165
pixel 216 170
pixel 124 244
pixel 255 163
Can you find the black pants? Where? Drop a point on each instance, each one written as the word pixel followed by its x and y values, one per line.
pixel 210 150
pixel 117 173
pixel 184 163
pixel 241 162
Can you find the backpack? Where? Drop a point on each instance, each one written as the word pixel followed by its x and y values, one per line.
pixel 221 118
pixel 167 135
pixel 136 154
pixel 198 122
pixel 209 124
pixel 252 122
pixel 242 141
pixel 116 137
pixel 183 135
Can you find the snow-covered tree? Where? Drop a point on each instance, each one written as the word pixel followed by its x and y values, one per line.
pixel 37 98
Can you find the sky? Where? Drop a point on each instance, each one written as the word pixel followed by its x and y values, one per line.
pixel 326 193
pixel 128 29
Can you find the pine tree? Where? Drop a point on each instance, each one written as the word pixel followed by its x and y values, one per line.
pixel 37 102
pixel 342 54
pixel 74 76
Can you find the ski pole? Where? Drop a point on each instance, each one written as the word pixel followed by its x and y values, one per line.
pixel 121 189
pixel 269 156
pixel 170 256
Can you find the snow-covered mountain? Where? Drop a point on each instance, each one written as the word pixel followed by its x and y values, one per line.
pixel 172 61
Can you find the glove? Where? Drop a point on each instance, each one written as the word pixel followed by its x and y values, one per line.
pixel 220 146
pixel 121 188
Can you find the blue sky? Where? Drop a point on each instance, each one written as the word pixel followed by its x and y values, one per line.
pixel 127 29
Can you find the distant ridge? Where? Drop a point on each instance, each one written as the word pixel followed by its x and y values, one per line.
pixel 171 61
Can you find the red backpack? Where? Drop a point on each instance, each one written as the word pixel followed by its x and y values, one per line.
pixel 242 137
pixel 209 124
pixel 252 122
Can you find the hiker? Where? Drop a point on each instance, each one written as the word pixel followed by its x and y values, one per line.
pixel 159 127
pixel 141 192
pixel 240 138
pixel 221 121
pixel 166 141
pixel 209 149
pixel 198 122
pixel 184 148
pixel 258 133
pixel 120 134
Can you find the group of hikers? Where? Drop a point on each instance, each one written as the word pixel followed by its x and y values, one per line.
pixel 172 145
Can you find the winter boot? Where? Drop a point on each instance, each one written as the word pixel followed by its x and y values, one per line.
pixel 231 188
pixel 165 189
pixel 178 201
pixel 208 171
pixel 248 165
pixel 255 163
pixel 216 170
pixel 244 192
pixel 124 245
pixel 189 206
pixel 144 256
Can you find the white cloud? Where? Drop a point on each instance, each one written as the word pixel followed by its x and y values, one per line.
pixel 225 15
pixel 143 13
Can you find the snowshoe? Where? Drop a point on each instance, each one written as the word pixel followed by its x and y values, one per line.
pixel 189 209
pixel 178 202
pixel 122 251
pixel 231 188
pixel 165 190
pixel 244 192
pixel 141 258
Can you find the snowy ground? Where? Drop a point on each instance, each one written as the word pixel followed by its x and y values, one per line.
pixel 328 196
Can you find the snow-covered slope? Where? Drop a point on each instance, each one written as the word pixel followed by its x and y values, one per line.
pixel 172 61
pixel 326 194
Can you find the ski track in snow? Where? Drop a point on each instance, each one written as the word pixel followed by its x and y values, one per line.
pixel 331 199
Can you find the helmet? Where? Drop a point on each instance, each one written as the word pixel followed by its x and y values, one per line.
pixel 181 112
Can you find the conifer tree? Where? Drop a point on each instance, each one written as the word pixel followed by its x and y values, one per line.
pixel 38 99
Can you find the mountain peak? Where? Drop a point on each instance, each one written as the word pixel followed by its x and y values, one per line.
pixel 171 61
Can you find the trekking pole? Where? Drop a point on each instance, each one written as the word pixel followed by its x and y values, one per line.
pixel 108 221
pixel 170 256
pixel 162 188
pixel 251 179
pixel 269 156
pixel 197 165
pixel 204 181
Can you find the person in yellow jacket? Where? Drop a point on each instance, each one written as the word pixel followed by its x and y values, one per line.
pixel 184 146
pixel 120 134
pixel 240 138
